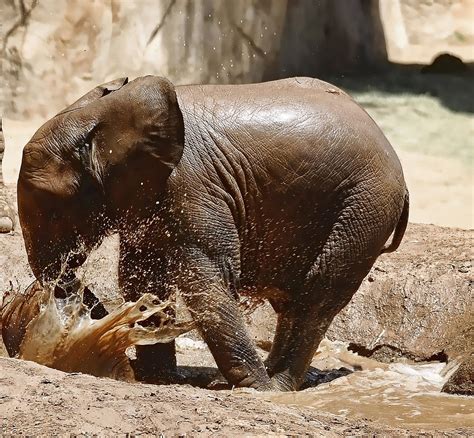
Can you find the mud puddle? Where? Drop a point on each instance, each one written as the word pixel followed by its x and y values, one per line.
pixel 62 335
pixel 397 394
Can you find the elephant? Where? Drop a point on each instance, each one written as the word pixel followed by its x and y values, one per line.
pixel 285 190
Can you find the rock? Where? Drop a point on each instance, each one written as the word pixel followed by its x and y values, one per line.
pixel 462 380
pixel 445 64
pixel 416 31
pixel 68 47
pixel 7 214
pixel 65 48
pixel 6 224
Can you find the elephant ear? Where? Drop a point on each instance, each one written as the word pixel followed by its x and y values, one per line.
pixel 161 119
pixel 98 92
pixel 144 125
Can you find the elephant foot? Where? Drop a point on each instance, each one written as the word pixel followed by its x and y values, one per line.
pixel 169 377
pixel 283 381
pixel 156 364
pixel 219 384
pixel 315 377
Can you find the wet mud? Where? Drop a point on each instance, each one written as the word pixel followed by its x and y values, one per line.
pixel 61 334
pixel 400 394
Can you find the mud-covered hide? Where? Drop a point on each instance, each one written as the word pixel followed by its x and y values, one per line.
pixel 415 303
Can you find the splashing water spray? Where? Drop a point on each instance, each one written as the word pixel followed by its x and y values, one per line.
pixel 60 332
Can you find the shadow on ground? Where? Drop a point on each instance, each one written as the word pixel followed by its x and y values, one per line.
pixel 210 377
pixel 454 91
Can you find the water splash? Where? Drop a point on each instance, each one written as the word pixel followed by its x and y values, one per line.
pixel 396 394
pixel 61 334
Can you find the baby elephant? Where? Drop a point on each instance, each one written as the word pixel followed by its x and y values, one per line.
pixel 286 190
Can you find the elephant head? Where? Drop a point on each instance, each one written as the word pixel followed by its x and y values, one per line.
pixel 104 158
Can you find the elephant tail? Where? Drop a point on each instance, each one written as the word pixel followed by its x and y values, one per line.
pixel 400 227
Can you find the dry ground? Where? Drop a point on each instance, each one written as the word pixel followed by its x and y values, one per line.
pixel 35 400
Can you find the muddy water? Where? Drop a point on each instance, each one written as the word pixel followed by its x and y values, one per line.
pixel 397 394
pixel 61 334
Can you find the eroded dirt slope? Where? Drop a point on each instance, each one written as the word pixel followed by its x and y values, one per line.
pixel 36 400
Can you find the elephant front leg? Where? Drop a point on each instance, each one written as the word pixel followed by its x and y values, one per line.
pixel 207 296
pixel 140 271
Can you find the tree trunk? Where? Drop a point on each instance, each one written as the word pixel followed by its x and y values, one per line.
pixel 331 36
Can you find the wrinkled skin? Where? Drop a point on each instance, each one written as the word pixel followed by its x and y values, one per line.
pixel 286 190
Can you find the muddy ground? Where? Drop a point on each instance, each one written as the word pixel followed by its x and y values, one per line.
pixel 35 400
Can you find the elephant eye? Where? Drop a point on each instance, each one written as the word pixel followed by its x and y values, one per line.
pixel 84 149
pixel 86 145
pixel 54 215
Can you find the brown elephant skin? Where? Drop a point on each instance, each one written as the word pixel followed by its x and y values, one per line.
pixel 285 190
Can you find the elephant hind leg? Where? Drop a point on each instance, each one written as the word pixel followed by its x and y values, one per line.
pixel 281 338
pixel 299 331
pixel 346 258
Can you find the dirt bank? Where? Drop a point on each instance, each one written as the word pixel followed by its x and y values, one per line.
pixel 35 400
